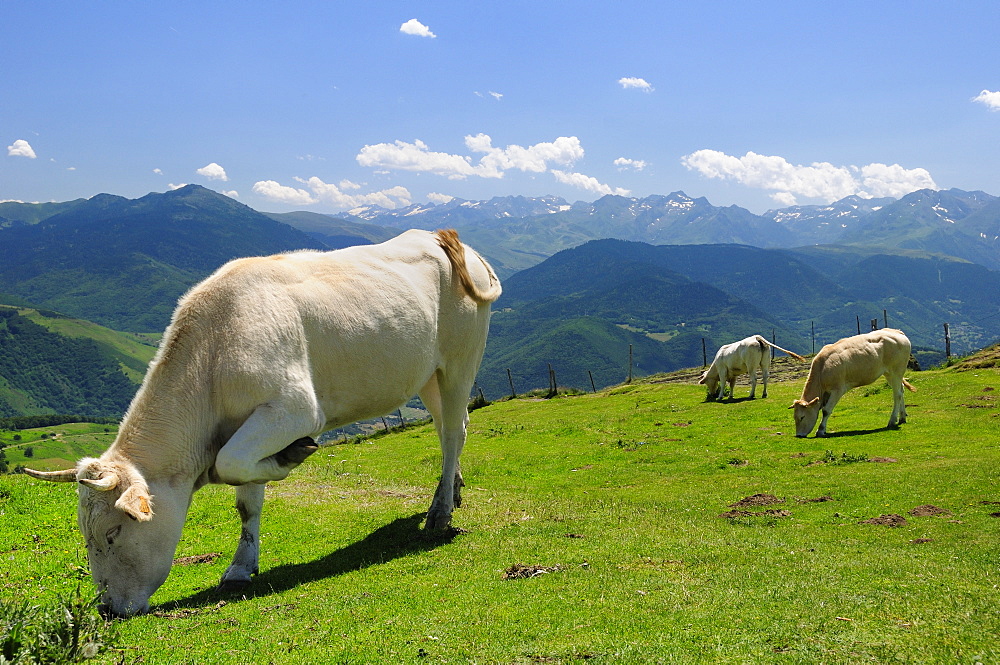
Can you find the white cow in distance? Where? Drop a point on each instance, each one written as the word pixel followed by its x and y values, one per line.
pixel 849 363
pixel 742 357
pixel 261 357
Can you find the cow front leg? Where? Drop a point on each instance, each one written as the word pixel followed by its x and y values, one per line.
pixel 828 402
pixel 260 451
pixel 249 504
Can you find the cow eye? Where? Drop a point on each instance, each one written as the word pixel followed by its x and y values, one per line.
pixel 113 533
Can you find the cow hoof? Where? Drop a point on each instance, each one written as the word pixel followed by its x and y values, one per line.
pixel 297 452
pixel 232 586
pixel 437 521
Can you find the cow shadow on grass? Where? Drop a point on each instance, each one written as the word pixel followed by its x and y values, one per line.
pixel 401 537
pixel 857 432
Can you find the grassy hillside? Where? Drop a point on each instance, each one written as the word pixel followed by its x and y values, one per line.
pixel 82 369
pixel 133 351
pixel 55 447
pixel 632 526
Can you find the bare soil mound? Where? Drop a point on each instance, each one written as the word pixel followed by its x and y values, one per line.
pixel 929 511
pixel 886 520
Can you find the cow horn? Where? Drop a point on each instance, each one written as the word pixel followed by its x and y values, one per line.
pixel 106 482
pixel 64 476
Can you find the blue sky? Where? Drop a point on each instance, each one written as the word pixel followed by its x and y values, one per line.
pixel 325 106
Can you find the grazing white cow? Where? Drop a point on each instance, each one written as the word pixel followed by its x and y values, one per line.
pixel 849 363
pixel 736 359
pixel 261 357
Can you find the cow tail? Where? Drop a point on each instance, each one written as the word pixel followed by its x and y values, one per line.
pixel 453 247
pixel 762 341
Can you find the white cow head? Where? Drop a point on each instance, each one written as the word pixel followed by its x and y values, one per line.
pixel 130 548
pixel 710 380
pixel 806 414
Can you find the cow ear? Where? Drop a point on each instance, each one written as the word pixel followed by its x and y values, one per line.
pixel 135 502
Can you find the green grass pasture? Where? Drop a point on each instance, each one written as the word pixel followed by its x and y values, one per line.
pixel 592 531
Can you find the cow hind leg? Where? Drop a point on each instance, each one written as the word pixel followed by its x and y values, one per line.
pixel 249 504
pixel 448 404
pixel 898 415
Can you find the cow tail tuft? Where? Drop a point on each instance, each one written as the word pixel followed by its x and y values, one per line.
pixel 455 250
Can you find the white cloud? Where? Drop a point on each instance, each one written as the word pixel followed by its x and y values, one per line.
pixel 439 198
pixel 275 191
pixel 588 183
pixel 496 95
pixel 157 171
pixel 885 180
pixel 635 164
pixel 416 156
pixel 990 99
pixel 232 193
pixel 820 180
pixel 394 197
pixel 213 172
pixel 784 198
pixel 171 186
pixel 415 27
pixel 322 192
pixel 634 82
pixel 21 148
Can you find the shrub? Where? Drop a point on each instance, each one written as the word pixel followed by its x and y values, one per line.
pixel 65 630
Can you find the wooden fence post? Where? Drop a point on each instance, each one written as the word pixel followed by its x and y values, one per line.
pixel 629 364
pixel 704 354
pixel 885 319
pixel 814 337
pixel 947 342
pixel 513 395
pixel 875 324
pixel 592 386
pixel 859 323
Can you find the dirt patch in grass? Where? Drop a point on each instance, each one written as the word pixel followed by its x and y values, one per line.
pixel 519 571
pixel 883 460
pixel 921 541
pixel 757 500
pixel 189 612
pixel 771 512
pixel 929 511
pixel 196 559
pixel 819 499
pixel 886 520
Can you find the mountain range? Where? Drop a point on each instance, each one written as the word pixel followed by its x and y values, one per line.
pixel 582 281
pixel 519 232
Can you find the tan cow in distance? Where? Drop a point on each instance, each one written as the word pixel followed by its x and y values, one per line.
pixel 259 359
pixel 739 358
pixel 849 363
